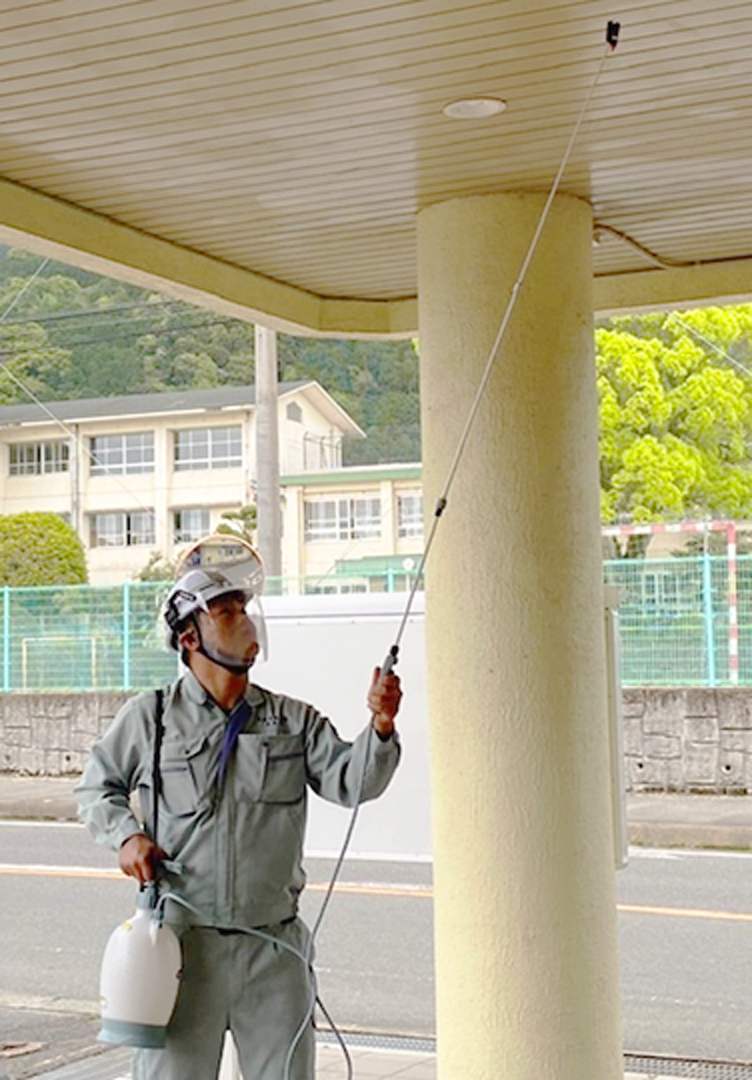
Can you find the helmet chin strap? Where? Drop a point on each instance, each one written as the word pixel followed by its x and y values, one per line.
pixel 229 663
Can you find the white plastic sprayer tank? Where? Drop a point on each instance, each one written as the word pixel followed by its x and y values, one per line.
pixel 140 978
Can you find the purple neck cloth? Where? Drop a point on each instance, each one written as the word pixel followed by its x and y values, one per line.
pixel 236 721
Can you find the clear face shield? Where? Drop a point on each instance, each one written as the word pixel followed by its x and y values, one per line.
pixel 237 562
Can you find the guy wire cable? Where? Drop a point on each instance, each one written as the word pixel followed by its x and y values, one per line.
pixel 26 286
pixel 723 353
pixel 612 40
pixel 77 439
pixel 73 436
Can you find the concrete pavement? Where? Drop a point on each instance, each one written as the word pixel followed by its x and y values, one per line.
pixel 37 797
pixel 654 820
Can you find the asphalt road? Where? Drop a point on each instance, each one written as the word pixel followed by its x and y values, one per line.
pixel 686 936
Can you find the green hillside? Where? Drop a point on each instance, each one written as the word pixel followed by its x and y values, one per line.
pixel 65 333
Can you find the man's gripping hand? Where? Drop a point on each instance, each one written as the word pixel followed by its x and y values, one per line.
pixel 384 696
pixel 138 857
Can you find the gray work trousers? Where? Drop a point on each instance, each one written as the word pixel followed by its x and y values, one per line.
pixel 258 990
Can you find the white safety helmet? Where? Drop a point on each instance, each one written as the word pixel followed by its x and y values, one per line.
pixel 214 567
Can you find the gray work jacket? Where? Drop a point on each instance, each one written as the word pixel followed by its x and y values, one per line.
pixel 239 845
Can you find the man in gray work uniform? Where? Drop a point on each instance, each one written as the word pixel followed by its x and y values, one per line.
pixel 236 763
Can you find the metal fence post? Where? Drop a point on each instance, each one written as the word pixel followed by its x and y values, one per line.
pixel 733 604
pixel 6 639
pixel 707 603
pixel 126 635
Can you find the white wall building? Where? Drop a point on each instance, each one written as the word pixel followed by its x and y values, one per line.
pixel 150 473
pixel 364 523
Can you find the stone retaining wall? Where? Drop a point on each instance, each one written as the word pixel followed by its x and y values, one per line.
pixel 674 740
pixel 51 734
pixel 688 740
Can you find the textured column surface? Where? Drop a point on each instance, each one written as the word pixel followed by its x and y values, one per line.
pixel 526 934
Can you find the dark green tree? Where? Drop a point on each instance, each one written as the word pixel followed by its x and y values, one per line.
pixel 376 382
pixel 240 523
pixel 39 549
pixel 71 334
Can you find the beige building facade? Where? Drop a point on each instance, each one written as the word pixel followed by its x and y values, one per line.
pixel 353 529
pixel 142 474
pixel 150 474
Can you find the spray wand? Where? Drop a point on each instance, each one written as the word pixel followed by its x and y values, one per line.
pixel 612 40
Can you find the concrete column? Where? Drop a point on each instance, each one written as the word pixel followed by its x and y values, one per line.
pixel 527 968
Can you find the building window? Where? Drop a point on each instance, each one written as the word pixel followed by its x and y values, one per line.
pixel 409 515
pixel 209 448
pixel 122 529
pixel 342 519
pixel 190 524
pixel 115 454
pixel 322 451
pixel 36 458
pixel 321 520
pixel 294 412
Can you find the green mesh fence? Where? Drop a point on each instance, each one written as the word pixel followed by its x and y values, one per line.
pixel 675 625
pixel 675 618
pixel 83 638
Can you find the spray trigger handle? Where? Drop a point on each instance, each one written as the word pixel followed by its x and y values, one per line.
pixel 388 666
pixel 148 896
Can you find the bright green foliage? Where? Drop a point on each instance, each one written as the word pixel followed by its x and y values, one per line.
pixel 676 415
pixel 39 549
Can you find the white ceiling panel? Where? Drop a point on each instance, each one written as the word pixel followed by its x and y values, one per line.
pixel 299 140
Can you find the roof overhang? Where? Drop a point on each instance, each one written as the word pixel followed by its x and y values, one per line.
pixel 57 230
pixel 269 160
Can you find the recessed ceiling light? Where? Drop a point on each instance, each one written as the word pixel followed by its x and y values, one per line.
pixel 474 108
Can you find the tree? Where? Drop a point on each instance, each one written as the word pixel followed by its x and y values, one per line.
pixel 157 568
pixel 676 415
pixel 72 334
pixel 39 549
pixel 376 382
pixel 240 523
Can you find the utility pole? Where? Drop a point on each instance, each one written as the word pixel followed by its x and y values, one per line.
pixel 268 510
pixel 77 520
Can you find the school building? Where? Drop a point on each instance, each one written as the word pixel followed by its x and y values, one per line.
pixel 151 473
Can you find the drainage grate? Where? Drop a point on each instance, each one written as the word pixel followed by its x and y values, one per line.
pixel 646 1065
pixel 418 1044
pixel 113 1064
pixel 696 1070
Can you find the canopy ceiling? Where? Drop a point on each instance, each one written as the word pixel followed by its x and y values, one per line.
pixel 275 154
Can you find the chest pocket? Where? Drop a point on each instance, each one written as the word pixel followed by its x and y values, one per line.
pixel 183 777
pixel 271 768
